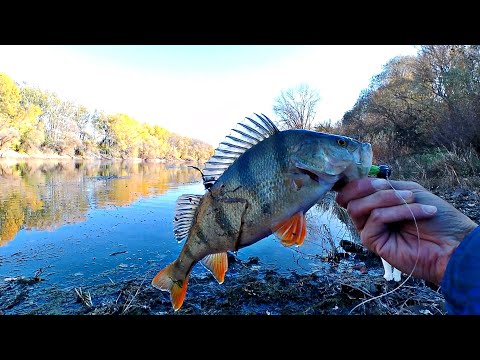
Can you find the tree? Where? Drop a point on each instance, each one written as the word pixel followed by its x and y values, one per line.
pixel 393 114
pixel 451 74
pixel 82 118
pixel 30 130
pixel 422 102
pixel 126 133
pixel 9 104
pixel 101 131
pixel 9 97
pixel 32 119
pixel 296 107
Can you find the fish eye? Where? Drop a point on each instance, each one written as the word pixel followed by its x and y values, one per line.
pixel 342 142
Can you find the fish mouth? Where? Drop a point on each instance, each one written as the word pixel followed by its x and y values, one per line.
pixel 359 172
pixel 338 180
pixel 319 177
pixel 310 174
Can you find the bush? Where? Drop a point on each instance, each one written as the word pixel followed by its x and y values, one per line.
pixel 440 168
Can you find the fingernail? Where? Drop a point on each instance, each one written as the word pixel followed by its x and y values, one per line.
pixel 404 194
pixel 429 209
pixel 380 184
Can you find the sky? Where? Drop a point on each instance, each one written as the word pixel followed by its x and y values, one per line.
pixel 199 91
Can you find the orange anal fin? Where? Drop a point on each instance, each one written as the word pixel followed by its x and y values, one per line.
pixel 217 264
pixel 292 231
pixel 177 289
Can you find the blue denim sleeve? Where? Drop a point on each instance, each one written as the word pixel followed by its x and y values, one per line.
pixel 461 282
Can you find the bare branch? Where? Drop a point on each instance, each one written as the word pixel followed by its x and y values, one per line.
pixel 296 107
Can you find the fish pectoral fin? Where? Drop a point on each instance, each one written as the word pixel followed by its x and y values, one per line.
pixel 177 289
pixel 292 231
pixel 217 264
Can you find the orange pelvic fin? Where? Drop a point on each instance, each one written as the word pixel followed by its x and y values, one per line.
pixel 217 264
pixel 177 289
pixel 292 231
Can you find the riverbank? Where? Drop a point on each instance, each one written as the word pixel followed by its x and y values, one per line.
pixel 351 286
pixel 10 155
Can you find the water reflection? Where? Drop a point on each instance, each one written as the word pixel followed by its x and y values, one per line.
pixel 46 194
pixel 82 224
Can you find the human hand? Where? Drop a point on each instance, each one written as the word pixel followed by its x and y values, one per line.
pixel 387 227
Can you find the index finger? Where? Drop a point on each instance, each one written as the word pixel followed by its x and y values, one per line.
pixel 360 188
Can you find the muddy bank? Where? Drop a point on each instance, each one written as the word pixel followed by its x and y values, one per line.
pixel 250 288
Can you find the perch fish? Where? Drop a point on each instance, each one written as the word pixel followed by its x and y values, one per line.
pixel 259 181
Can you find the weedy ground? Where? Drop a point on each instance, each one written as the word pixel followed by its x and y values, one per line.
pixel 345 284
pixel 249 289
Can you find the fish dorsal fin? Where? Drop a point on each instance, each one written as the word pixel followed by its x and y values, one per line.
pixel 247 134
pixel 217 264
pixel 292 231
pixel 184 214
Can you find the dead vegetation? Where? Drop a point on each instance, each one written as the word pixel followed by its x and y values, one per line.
pixel 249 288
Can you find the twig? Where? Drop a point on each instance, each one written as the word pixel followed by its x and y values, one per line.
pixel 118 297
pixel 356 288
pixel 134 296
pixel 86 298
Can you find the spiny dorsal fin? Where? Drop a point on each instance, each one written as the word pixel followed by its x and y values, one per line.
pixel 247 134
pixel 184 213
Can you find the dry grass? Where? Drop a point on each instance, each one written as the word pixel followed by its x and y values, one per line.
pixel 440 169
pixel 412 298
pixel 84 297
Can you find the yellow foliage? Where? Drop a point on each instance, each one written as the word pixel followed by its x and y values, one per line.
pixel 9 96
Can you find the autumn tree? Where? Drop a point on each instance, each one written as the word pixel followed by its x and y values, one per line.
pixel 451 74
pixel 82 119
pixel 33 120
pixel 30 130
pixel 9 103
pixel 9 97
pixel 422 102
pixel 296 107
pixel 392 111
pixel 101 133
pixel 164 148
pixel 64 122
pixel 18 119
pixel 125 132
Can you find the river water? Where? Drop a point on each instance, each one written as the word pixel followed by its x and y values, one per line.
pixel 84 223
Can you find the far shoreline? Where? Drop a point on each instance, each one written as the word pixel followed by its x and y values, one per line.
pixel 10 156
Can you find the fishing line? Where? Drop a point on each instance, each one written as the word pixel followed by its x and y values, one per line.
pixel 416 260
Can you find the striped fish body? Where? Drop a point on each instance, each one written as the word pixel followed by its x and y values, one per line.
pixel 263 189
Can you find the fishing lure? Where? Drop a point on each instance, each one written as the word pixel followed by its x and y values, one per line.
pixel 380 171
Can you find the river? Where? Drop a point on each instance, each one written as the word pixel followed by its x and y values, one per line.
pixel 81 223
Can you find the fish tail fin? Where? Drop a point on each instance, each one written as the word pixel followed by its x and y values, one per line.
pixel 177 288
